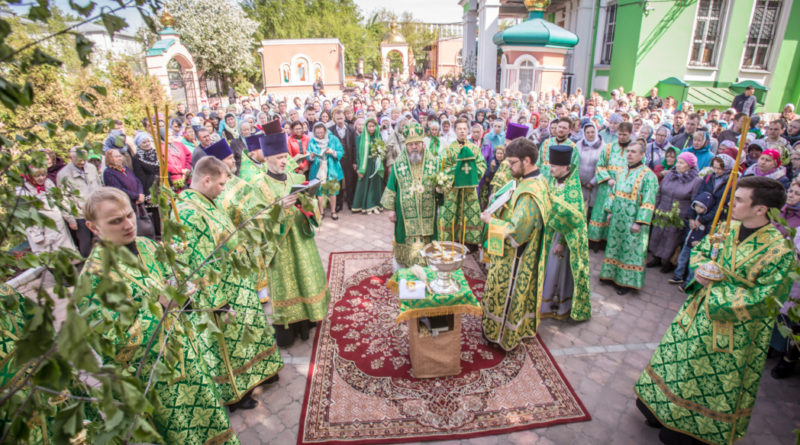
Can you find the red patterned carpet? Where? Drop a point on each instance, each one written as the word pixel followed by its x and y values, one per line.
pixel 361 390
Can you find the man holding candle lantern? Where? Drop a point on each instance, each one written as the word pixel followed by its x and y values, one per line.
pixel 704 375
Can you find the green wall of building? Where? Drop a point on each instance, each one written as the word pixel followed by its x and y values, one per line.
pixel 649 48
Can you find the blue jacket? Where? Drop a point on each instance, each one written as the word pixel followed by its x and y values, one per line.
pixel 703 155
pixel 334 163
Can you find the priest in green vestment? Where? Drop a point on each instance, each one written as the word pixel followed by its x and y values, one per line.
pixel 566 283
pixel 238 366
pixel 703 377
pixel 189 410
pixel 298 286
pixel 516 270
pixel 253 160
pixel 630 209
pixel 611 163
pixel 410 198
pixel 460 214
pixel 560 138
pixel 370 152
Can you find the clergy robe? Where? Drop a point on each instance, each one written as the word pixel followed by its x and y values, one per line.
pixel 413 200
pixel 633 201
pixel 249 168
pixel 514 283
pixel 190 411
pixel 237 368
pixel 296 279
pixel 460 214
pixel 612 161
pixel 704 375
pixel 544 156
pixel 566 283
pixel 370 173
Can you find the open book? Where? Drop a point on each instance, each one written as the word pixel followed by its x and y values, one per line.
pixel 501 196
pixel 309 187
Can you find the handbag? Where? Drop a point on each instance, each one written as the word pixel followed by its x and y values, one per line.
pixel 144 224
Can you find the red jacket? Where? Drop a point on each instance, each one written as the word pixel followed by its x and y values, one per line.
pixel 299 147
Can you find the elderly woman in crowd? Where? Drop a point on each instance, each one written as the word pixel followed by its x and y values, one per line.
pixel 325 153
pixel 40 237
pixel 590 146
pixel 769 165
pixel 433 142
pixel 119 176
pixel 146 169
pixel 189 139
pixel 680 184
pixel 667 162
pixel 110 217
pixel 657 148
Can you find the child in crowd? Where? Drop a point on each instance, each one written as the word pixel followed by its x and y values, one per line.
pixel 683 274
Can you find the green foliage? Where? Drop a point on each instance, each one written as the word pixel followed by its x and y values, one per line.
pixel 670 218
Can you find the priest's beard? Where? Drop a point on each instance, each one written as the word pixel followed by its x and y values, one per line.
pixel 415 158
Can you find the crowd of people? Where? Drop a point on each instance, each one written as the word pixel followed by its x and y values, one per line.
pixel 529 182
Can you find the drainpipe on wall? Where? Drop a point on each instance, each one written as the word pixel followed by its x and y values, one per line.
pixel 594 46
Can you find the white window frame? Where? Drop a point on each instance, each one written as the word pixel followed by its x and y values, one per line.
pixel 776 28
pixel 606 42
pixel 721 31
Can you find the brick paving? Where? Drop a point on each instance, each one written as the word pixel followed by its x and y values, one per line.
pixel 601 358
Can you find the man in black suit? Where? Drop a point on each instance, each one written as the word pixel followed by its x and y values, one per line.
pixel 347 136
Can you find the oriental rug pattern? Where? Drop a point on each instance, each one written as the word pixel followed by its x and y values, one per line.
pixel 361 387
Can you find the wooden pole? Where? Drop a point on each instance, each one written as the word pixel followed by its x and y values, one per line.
pixel 730 186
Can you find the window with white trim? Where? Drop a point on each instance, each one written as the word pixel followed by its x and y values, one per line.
pixel 707 30
pixel 608 34
pixel 526 76
pixel 763 26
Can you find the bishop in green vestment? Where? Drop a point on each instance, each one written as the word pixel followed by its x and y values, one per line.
pixel 516 272
pixel 566 283
pixel 237 366
pixel 630 210
pixel 703 378
pixel 411 198
pixel 611 163
pixel 460 214
pixel 370 152
pixel 297 284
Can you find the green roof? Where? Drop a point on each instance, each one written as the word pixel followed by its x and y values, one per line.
pixel 160 47
pixel 748 83
pixel 536 31
pixel 674 81
pixel 710 97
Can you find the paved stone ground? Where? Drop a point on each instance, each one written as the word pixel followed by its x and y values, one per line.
pixel 601 358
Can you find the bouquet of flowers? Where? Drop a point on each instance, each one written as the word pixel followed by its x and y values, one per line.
pixel 441 181
pixel 377 150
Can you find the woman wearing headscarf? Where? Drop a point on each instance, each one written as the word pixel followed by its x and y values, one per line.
pixel 42 238
pixel 370 151
pixel 680 184
pixel 769 166
pixel 433 142
pixel 209 125
pixel 448 135
pixel 229 127
pixel 146 169
pixel 655 150
pixel 480 118
pixel 701 148
pixel 325 151
pixel 667 162
pixel 645 132
pixel 119 176
pixel 589 147
pixel 179 165
pixel 189 139
pixel 189 409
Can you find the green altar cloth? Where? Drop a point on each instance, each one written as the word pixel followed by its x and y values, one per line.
pixel 461 302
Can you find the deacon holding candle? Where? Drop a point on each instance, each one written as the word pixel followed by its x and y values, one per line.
pixel 566 282
pixel 410 198
pixel 703 378
pixel 516 272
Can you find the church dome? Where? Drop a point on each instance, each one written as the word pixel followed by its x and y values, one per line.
pixel 393 37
